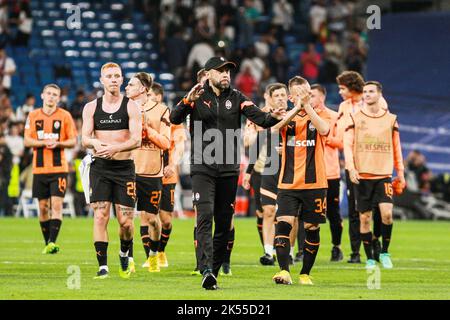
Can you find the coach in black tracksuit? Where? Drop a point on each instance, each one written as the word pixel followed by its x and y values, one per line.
pixel 215 110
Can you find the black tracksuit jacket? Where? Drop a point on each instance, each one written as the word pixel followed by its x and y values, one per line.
pixel 221 113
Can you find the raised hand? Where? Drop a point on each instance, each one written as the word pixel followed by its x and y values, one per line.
pixel 195 92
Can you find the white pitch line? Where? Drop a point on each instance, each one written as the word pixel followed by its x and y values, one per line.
pixel 235 265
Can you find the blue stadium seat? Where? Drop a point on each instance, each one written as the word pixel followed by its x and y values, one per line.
pixel 69 44
pixel 113 35
pixel 101 45
pixel 123 56
pixel 50 43
pixel 97 35
pixel 110 25
pixel 72 53
pixel 54 14
pixel 131 36
pixel 86 44
pixel 49 5
pixel 93 26
pixel 121 45
pixel 108 55
pixel 88 15
pixel 91 54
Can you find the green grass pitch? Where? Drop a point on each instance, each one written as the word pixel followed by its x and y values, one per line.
pixel 420 252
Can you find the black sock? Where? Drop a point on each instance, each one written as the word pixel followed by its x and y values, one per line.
pixel 125 245
pixel 45 228
pixel 130 250
pixel 310 249
pixel 154 245
pixel 55 226
pixel 336 232
pixel 386 232
pixel 259 225
pixel 145 237
pixel 376 222
pixel 300 236
pixel 366 239
pixel 101 248
pixel 165 235
pixel 230 244
pixel 283 244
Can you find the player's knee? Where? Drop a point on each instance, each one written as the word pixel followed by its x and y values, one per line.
pixel 311 227
pixel 100 218
pixel 282 231
pixel 126 224
pixel 387 219
pixel 166 224
pixel 152 220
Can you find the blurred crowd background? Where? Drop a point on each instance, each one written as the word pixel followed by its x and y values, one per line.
pixel 66 43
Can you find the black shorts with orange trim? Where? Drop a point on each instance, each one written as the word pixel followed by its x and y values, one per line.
pixel 49 185
pixel 168 197
pixel 269 189
pixel 113 181
pixel 149 192
pixel 369 193
pixel 309 205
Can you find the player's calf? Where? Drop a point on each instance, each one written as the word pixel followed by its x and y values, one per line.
pixel 283 244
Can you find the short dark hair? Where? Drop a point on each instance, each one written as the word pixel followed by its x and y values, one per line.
pixel 276 86
pixel 297 80
pixel 320 88
pixel 145 79
pixel 267 89
pixel 52 85
pixel 157 88
pixel 375 83
pixel 352 80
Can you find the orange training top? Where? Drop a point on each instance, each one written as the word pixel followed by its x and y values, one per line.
pixel 59 126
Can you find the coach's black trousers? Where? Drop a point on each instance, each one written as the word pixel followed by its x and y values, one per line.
pixel 353 216
pixel 213 198
pixel 333 212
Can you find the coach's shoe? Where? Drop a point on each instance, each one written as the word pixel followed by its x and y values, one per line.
pixel 209 281
pixel 336 254
pixel 153 265
pixel 162 260
pixel 44 251
pixel 305 279
pixel 386 262
pixel 226 270
pixel 132 265
pixel 299 257
pixel 101 274
pixel 354 258
pixel 376 245
pixel 267 260
pixel 371 264
pixel 291 260
pixel 124 269
pixel 282 277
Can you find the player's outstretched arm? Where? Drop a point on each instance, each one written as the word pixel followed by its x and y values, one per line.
pixel 185 106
